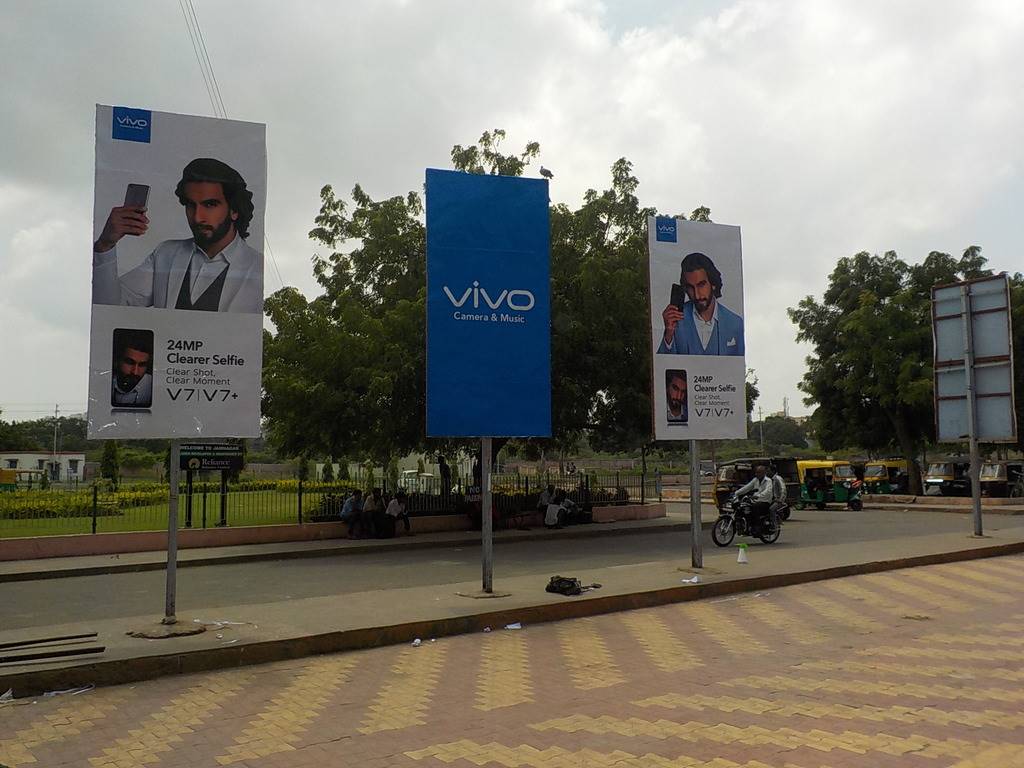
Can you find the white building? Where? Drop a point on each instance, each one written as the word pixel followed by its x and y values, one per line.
pixel 63 466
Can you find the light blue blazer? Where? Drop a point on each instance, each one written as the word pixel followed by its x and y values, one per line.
pixel 726 339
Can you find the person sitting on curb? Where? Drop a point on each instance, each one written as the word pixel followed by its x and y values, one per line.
pixel 351 512
pixel 547 496
pixel 396 509
pixel 373 509
pixel 570 511
pixel 554 515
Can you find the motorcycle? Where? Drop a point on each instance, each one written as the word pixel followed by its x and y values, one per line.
pixel 738 518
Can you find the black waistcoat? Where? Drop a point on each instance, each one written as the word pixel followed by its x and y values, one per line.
pixel 209 301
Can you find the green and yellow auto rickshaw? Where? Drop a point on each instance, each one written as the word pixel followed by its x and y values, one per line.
pixel 829 482
pixel 886 476
pixel 948 477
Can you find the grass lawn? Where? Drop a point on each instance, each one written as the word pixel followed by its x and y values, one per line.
pixel 244 508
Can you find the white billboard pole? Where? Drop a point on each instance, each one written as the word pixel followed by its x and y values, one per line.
pixel 171 589
pixel 696 550
pixel 486 528
pixel 972 407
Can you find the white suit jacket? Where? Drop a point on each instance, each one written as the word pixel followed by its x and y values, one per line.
pixel 157 281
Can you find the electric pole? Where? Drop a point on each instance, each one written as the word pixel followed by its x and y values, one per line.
pixel 53 460
pixel 760 421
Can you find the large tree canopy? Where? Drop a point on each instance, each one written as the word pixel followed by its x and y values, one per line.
pixel 870 374
pixel 344 373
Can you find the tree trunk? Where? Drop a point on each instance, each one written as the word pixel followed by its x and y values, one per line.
pixel 909 451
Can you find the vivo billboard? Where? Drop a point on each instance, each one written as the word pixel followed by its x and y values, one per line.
pixel 488 306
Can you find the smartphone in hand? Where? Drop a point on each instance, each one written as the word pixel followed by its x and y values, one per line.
pixel 678 296
pixel 136 196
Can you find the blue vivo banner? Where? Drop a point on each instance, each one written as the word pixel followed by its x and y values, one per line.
pixel 488 306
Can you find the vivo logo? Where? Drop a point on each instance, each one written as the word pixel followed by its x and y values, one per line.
pixel 139 124
pixel 665 229
pixel 132 124
pixel 517 299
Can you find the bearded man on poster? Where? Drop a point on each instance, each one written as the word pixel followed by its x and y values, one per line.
pixel 701 324
pixel 215 270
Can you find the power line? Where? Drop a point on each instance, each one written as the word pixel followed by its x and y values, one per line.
pixel 206 57
pixel 273 260
pixel 195 33
pixel 199 58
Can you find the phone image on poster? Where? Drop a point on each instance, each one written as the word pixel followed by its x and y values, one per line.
pixel 676 390
pixel 136 196
pixel 131 381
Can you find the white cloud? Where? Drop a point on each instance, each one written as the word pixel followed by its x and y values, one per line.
pixel 823 128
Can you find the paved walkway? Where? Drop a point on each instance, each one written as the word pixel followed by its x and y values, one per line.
pixel 917 668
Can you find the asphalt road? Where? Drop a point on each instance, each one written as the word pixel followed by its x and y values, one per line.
pixel 84 598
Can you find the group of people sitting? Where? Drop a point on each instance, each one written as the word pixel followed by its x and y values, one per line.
pixel 558 509
pixel 374 518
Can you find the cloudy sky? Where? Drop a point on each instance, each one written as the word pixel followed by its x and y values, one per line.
pixel 821 128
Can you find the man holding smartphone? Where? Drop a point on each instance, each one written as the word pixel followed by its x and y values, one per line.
pixel 215 270
pixel 696 323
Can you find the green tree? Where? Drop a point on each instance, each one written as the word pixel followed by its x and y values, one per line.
pixel 19 436
pixel 345 372
pixel 871 370
pixel 327 475
pixel 781 430
pixel 752 391
pixel 303 469
pixel 110 464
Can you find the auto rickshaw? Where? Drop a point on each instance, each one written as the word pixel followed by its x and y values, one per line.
pixel 886 476
pixel 733 475
pixel 948 477
pixel 829 482
pixel 8 479
pixel 1002 479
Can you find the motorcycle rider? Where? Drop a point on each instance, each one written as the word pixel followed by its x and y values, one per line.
pixel 763 489
pixel 779 499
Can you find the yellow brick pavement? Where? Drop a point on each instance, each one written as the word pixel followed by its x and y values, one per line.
pixel 825 675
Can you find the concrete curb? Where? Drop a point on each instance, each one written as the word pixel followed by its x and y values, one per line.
pixel 149 667
pixel 583 532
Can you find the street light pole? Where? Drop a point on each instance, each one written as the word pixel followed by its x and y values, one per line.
pixel 53 459
pixel 760 422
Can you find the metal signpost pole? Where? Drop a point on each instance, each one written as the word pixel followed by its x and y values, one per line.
pixel 172 535
pixel 972 407
pixel 696 553
pixel 485 514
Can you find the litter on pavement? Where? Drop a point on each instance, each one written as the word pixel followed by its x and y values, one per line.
pixel 70 691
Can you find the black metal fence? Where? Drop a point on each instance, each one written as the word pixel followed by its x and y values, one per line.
pixel 92 509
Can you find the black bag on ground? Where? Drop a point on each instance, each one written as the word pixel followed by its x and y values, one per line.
pixel 563 585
